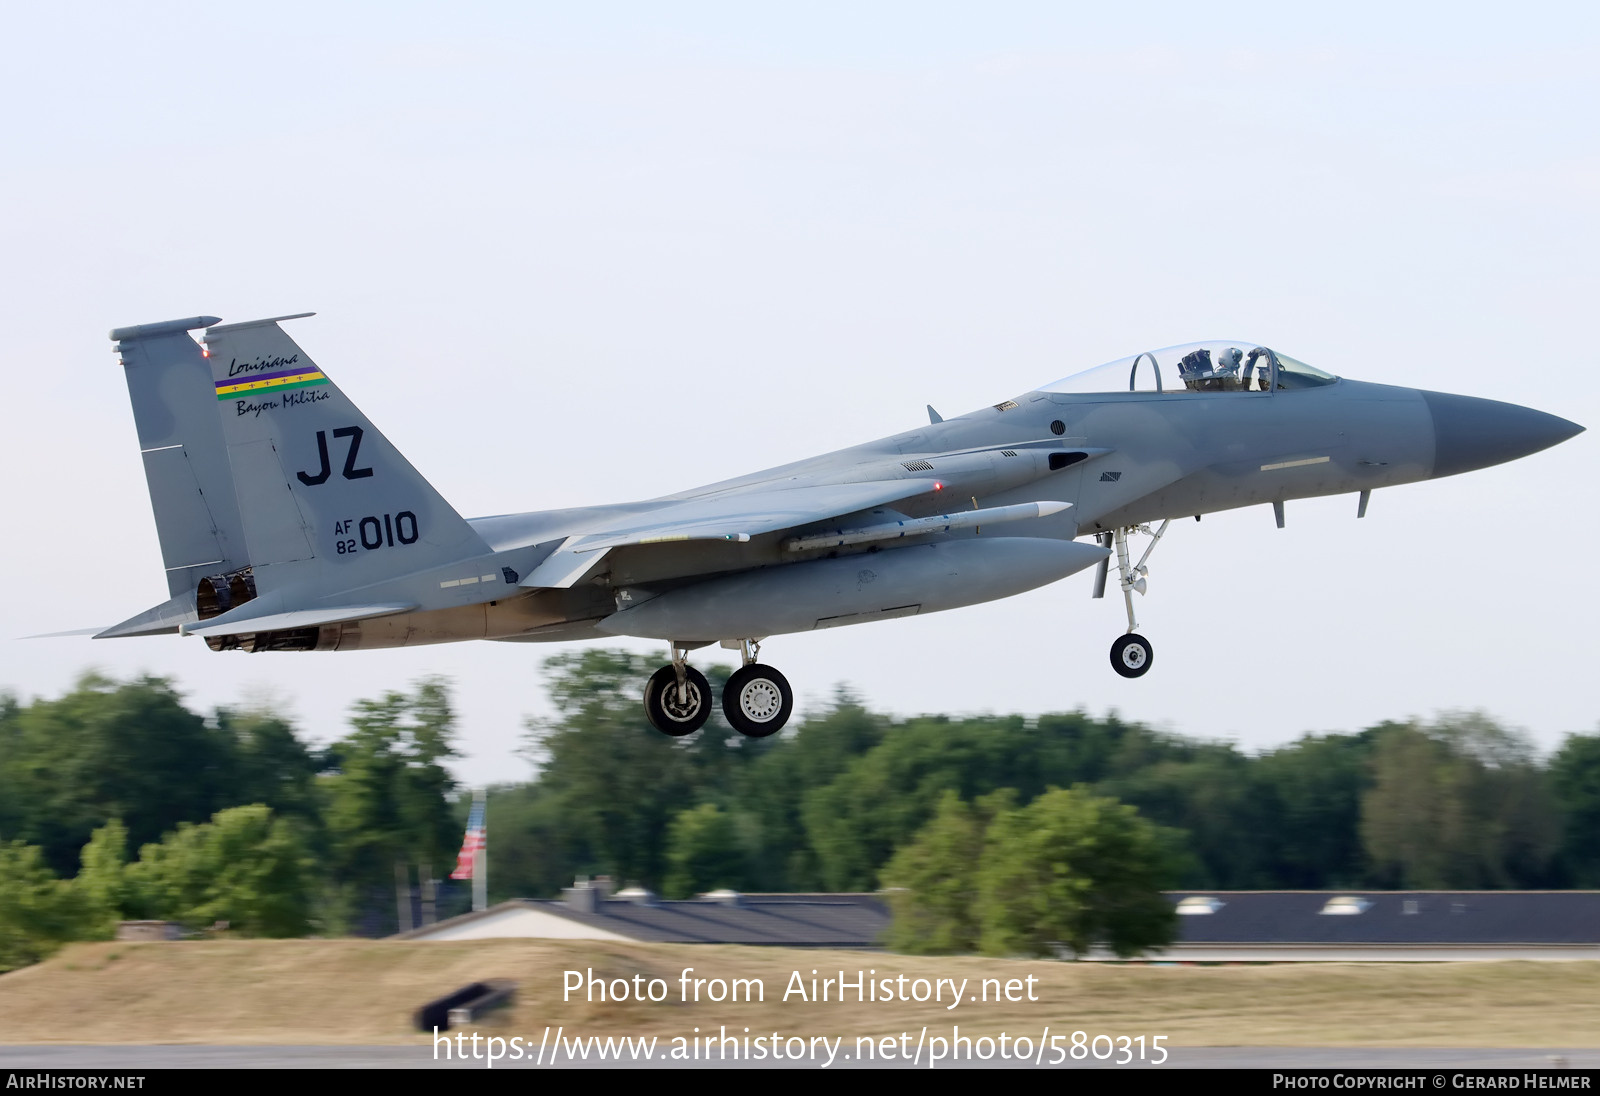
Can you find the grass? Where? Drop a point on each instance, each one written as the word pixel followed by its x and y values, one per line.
pixel 364 992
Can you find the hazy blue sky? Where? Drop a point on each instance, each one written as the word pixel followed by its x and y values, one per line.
pixel 567 254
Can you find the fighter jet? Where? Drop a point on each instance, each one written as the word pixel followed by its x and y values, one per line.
pixel 288 522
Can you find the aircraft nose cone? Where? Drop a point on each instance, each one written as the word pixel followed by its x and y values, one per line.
pixel 1471 433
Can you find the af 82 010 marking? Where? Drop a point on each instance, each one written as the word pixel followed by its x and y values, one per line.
pixel 376 531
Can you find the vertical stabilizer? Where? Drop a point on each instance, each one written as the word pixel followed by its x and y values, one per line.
pixel 327 503
pixel 185 457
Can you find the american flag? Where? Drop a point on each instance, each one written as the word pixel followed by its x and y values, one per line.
pixel 475 841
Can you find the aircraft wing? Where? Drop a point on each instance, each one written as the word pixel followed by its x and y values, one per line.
pixel 733 517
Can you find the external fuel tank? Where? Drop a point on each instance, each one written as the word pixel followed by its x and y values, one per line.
pixel 855 589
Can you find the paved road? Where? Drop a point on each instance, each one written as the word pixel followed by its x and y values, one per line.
pixel 410 1057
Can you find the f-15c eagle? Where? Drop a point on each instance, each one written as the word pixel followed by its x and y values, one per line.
pixel 289 523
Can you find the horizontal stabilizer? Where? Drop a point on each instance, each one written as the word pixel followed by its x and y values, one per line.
pixel 165 619
pixel 63 635
pixel 303 618
pixel 165 327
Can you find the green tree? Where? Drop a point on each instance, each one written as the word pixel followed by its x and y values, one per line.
pixel 932 881
pixel 38 912
pixel 13 769
pixel 272 765
pixel 774 787
pixel 704 852
pixel 618 783
pixel 1575 776
pixel 388 798
pixel 1074 869
pixel 244 867
pixel 856 821
pixel 1209 794
pixel 535 847
pixel 1458 804
pixel 1313 790
pixel 109 750
pixel 103 884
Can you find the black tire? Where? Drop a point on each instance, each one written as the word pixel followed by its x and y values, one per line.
pixel 1131 655
pixel 757 701
pixel 665 713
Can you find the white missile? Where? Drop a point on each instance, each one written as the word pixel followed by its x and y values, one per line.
pixel 914 527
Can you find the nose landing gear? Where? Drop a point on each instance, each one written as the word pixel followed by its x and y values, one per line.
pixel 1132 654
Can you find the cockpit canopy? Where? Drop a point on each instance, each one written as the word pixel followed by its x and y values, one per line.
pixel 1197 367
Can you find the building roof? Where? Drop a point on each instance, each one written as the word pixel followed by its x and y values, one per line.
pixel 787 920
pixel 1323 918
pixel 1392 917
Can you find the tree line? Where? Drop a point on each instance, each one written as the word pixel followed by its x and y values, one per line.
pixel 119 802
pixel 1456 803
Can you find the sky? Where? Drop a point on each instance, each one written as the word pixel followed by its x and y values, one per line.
pixel 573 254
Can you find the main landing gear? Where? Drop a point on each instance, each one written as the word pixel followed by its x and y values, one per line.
pixel 1131 654
pixel 677 698
pixel 756 701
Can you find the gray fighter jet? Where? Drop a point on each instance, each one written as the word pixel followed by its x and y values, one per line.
pixel 289 523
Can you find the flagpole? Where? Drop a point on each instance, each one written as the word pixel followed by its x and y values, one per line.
pixel 480 858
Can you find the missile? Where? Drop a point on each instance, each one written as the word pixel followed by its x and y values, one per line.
pixel 854 589
pixel 938 523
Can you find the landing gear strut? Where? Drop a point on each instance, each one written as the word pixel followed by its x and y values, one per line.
pixel 677 698
pixel 757 699
pixel 1132 654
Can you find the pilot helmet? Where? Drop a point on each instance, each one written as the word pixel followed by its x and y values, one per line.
pixel 1228 360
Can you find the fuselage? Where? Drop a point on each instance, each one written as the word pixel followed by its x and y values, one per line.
pixel 1118 459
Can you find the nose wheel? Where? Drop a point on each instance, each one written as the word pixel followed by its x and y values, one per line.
pixel 1131 655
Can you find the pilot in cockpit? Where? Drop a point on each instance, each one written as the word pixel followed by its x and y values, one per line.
pixel 1228 362
pixel 1201 372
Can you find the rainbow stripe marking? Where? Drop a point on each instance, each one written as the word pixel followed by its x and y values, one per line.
pixel 234 387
